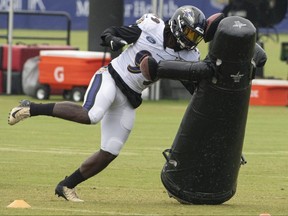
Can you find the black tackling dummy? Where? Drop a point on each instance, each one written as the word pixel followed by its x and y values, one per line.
pixel 203 163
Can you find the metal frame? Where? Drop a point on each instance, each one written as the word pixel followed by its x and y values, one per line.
pixel 41 13
pixel 284 51
pixel 154 90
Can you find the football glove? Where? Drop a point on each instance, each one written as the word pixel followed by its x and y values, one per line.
pixel 212 25
pixel 116 43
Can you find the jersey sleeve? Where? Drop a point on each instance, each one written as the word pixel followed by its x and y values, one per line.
pixel 129 33
pixel 148 22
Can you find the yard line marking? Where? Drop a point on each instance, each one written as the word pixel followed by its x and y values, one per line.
pixel 43 151
pixel 58 151
pixel 122 213
pixel 95 212
pixel 267 153
pixel 66 151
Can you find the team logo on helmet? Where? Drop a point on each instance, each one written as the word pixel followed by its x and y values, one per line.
pixel 188 14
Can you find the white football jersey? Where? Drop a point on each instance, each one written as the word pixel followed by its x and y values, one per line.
pixel 149 43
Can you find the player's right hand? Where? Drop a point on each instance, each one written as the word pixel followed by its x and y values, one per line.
pixel 117 43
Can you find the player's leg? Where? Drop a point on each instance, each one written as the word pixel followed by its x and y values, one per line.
pixel 97 100
pixel 116 126
pixel 65 110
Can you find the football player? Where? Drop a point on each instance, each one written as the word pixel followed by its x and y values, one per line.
pixel 115 90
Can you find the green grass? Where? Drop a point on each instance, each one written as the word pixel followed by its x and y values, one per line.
pixel 39 152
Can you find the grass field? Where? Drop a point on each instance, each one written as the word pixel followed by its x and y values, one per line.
pixel 36 154
pixel 39 152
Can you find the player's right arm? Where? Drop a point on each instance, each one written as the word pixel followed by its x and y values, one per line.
pixel 117 37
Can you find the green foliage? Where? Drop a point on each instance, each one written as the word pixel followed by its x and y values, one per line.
pixel 38 152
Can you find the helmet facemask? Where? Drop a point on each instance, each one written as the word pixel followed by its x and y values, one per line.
pixel 187 29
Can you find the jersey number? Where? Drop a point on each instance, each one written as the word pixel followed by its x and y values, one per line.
pixel 138 58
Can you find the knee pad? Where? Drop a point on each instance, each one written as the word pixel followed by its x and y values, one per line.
pixel 112 146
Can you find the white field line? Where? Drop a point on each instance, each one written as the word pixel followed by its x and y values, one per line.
pixel 93 212
pixel 56 151
pixel 77 152
pixel 267 153
pixel 123 213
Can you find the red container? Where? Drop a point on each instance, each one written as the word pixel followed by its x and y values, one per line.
pixel 21 53
pixel 68 69
pixel 267 92
pixel 1 82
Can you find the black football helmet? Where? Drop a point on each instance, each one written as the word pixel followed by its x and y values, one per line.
pixel 188 24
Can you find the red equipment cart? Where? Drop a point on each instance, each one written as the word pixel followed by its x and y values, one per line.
pixel 68 70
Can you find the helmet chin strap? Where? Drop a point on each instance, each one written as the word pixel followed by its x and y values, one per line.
pixel 183 46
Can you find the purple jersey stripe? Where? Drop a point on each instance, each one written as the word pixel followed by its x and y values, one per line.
pixel 92 91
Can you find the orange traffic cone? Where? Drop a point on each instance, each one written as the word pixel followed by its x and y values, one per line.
pixel 19 204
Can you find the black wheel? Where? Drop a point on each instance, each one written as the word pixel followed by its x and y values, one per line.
pixel 66 95
pixel 42 92
pixel 77 94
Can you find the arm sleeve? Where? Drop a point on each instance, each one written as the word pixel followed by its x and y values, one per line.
pixel 185 71
pixel 128 33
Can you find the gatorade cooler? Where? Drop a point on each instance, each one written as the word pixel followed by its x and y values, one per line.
pixel 21 53
pixel 268 92
pixel 69 70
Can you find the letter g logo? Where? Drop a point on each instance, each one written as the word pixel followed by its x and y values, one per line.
pixel 59 74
